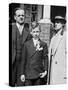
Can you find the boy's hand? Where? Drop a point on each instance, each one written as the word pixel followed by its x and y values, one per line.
pixel 23 78
pixel 42 75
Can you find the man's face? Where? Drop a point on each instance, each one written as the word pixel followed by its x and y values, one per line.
pixel 58 25
pixel 35 32
pixel 19 17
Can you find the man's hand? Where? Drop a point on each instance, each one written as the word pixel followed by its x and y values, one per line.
pixel 42 75
pixel 23 78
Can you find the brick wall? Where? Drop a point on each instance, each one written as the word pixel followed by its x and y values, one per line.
pixel 45 32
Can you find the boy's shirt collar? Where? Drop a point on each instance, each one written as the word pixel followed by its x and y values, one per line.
pixel 37 44
pixel 35 41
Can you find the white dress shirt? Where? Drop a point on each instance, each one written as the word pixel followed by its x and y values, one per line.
pixel 20 27
pixel 35 41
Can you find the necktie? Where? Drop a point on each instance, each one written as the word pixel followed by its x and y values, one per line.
pixel 20 29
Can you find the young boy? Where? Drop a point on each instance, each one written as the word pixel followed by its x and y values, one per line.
pixel 34 59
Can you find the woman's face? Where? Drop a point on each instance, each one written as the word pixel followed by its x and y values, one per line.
pixel 58 25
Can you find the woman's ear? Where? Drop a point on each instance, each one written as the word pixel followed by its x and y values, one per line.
pixel 63 24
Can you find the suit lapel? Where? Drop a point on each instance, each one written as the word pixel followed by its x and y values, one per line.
pixel 41 43
pixel 57 45
pixel 25 34
pixel 14 31
pixel 16 28
pixel 32 49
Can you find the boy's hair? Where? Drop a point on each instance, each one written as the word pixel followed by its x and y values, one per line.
pixel 34 25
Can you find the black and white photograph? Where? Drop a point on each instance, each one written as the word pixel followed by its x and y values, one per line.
pixel 33 44
pixel 37 45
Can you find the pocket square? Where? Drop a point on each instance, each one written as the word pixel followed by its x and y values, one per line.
pixel 39 49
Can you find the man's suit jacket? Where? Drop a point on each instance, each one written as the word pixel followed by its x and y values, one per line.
pixel 17 45
pixel 34 62
pixel 15 34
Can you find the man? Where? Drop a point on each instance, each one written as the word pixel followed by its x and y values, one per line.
pixel 19 36
pixel 34 60
pixel 57 53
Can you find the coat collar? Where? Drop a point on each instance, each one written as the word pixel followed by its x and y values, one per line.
pixel 57 44
pixel 32 48
pixel 25 34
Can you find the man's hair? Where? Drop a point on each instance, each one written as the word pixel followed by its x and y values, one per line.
pixel 18 8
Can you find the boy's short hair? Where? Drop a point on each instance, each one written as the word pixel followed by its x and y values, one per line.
pixel 35 24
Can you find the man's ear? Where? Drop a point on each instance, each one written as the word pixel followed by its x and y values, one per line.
pixel 31 32
pixel 14 17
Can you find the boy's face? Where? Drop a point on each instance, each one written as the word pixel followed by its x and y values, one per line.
pixel 35 32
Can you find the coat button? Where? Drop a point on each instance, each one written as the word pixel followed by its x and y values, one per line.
pixel 65 52
pixel 65 77
pixel 55 62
